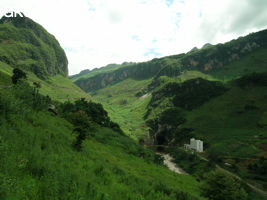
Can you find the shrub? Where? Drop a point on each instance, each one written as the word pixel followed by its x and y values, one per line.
pixel 219 186
pixel 18 75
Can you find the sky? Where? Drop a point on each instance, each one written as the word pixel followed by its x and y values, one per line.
pixel 95 33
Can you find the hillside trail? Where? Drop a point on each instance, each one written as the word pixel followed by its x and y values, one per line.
pixel 256 189
pixel 253 187
pixel 171 165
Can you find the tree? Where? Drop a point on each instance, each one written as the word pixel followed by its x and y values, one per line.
pixel 18 74
pixel 82 124
pixel 37 97
pixel 219 186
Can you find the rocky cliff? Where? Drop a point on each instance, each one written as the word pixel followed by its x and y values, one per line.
pixel 207 60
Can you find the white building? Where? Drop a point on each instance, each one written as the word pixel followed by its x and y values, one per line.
pixel 196 145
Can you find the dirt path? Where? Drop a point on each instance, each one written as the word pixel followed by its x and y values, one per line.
pixel 256 189
pixel 171 165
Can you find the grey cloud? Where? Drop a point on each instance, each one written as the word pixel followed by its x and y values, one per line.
pixel 239 18
pixel 252 15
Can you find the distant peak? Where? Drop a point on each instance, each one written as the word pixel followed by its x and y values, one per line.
pixel 206 45
pixel 193 50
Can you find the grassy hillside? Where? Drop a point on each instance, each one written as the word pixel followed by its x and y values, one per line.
pixel 230 123
pixel 210 94
pixel 72 151
pixel 125 107
pixel 57 87
pixel 127 101
pixel 39 160
pixel 27 45
pixel 222 62
pixel 55 144
pixel 90 73
pixel 253 62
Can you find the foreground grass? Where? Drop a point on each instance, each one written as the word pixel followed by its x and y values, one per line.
pixel 57 87
pixel 38 162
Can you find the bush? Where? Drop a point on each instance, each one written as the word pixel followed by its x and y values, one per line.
pixel 94 111
pixel 18 75
pixel 219 186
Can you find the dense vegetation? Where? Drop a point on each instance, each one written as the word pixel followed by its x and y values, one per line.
pixel 27 45
pixel 75 153
pixel 56 143
pixel 165 130
pixel 219 186
pixel 57 87
pixel 189 94
pixel 259 168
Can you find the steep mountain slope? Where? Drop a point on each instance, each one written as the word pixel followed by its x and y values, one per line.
pixel 27 45
pixel 137 71
pixel 90 73
pixel 231 121
pixel 222 62
pixel 214 60
pixel 57 87
pixel 40 160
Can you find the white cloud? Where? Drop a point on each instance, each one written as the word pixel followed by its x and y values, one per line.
pixel 98 32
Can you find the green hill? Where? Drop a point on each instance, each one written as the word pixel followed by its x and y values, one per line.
pixel 38 159
pixel 90 73
pixel 27 45
pixel 57 87
pixel 216 94
pixel 224 61
pixel 57 144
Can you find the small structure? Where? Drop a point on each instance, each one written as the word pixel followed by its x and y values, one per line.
pixel 196 145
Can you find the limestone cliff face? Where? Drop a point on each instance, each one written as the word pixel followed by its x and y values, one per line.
pixel 136 71
pixel 27 45
pixel 207 59
pixel 214 57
